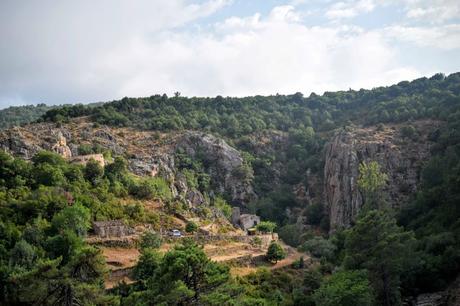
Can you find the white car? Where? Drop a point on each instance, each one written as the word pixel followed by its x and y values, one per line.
pixel 176 233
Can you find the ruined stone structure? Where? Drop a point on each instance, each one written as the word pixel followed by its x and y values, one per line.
pixel 84 159
pixel 245 221
pixel 112 228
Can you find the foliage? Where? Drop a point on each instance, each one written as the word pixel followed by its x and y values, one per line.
pixel 290 234
pixel 151 188
pixel 182 276
pixel 346 288
pixel 223 206
pixel 371 181
pixel 151 240
pixel 191 227
pixel 266 226
pixel 275 252
pixel 378 245
pixel 319 247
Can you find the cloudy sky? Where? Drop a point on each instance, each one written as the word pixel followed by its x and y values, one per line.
pixel 70 51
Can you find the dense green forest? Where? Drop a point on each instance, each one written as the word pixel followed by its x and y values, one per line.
pixel 387 257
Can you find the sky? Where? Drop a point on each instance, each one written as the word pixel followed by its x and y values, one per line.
pixel 68 51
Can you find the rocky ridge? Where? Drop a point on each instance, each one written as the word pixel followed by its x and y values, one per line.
pixel 148 153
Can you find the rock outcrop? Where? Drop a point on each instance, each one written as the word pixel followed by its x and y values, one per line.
pixel 61 146
pixel 222 162
pixel 400 158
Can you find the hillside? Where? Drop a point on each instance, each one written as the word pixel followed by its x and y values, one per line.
pixel 358 180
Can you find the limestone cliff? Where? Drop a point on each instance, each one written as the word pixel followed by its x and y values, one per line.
pixel 401 158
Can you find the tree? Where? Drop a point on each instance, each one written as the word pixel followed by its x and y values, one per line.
pixel 346 288
pixel 266 226
pixel 147 265
pixel 378 245
pixel 75 218
pixel 275 252
pixel 371 181
pixel 183 276
pixel 118 169
pixel 191 227
pixel 93 171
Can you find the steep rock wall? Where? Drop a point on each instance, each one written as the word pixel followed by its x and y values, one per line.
pixel 401 158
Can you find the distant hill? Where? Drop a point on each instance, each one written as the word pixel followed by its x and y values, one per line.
pixel 19 115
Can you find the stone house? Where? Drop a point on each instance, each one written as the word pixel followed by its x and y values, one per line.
pixel 244 221
pixel 112 228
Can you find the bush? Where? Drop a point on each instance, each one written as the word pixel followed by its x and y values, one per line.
pixel 191 227
pixel 319 247
pixel 266 226
pixel 275 252
pixel 152 188
pixel 93 171
pixel 223 206
pixel 290 234
pixel 151 240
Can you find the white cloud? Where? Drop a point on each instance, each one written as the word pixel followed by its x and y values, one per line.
pixel 53 49
pixel 446 37
pixel 349 9
pixel 285 13
pixel 92 51
pixel 433 11
pixel 256 55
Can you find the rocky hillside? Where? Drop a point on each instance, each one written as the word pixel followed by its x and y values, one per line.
pixel 151 153
pixel 147 153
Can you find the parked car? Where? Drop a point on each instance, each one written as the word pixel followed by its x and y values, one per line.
pixel 176 233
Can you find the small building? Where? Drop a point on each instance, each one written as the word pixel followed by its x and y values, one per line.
pixel 112 228
pixel 244 221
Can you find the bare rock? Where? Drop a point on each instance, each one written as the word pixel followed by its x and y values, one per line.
pixel 401 159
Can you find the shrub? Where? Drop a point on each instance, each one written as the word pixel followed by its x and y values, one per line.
pixel 319 247
pixel 191 227
pixel 151 240
pixel 152 188
pixel 290 234
pixel 275 252
pixel 223 206
pixel 266 226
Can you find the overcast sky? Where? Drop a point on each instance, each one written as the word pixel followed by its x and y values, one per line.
pixel 67 51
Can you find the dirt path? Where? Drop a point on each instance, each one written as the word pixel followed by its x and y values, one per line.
pixel 292 256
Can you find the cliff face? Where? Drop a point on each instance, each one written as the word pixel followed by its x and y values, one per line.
pixel 223 163
pixel 401 158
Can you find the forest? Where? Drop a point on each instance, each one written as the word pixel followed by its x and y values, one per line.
pixel 385 258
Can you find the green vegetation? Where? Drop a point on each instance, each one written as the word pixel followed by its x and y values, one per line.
pixel 275 252
pixel 347 288
pixel 371 181
pixel 47 205
pixel 18 115
pixel 150 240
pixel 191 227
pixel 266 226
